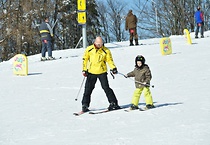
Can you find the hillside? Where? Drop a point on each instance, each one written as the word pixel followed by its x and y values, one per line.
pixel 38 109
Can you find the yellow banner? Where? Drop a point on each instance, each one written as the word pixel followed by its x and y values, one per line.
pixel 20 65
pixel 187 36
pixel 81 17
pixel 81 5
pixel 165 46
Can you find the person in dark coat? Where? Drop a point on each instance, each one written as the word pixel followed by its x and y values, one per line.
pixel 131 24
pixel 46 38
pixel 199 19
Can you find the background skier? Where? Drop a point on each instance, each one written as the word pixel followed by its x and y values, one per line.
pixel 131 24
pixel 46 38
pixel 199 19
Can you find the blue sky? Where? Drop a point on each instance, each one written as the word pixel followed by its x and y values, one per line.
pixel 130 4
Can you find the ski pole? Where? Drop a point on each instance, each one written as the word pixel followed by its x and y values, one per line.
pixel 80 89
pixel 143 83
pixel 122 74
pixel 78 42
pixel 137 81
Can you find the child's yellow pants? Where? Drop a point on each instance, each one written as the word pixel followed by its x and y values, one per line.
pixel 147 95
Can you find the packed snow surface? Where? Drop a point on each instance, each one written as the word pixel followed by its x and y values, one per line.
pixel 38 109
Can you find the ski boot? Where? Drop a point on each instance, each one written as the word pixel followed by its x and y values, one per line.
pixel 51 58
pixel 113 106
pixel 131 43
pixel 85 108
pixel 149 106
pixel 136 42
pixel 133 107
pixel 43 58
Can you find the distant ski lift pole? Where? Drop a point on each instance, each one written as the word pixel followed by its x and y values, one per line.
pixel 156 17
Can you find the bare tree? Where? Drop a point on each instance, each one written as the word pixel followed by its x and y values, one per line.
pixel 146 13
pixel 168 17
pixel 115 11
pixel 102 11
pixel 20 20
pixel 112 20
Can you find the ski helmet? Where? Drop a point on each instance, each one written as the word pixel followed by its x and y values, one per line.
pixel 140 58
pixel 198 8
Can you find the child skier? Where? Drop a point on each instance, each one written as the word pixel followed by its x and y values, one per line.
pixel 142 76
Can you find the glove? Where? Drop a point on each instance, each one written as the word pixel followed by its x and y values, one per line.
pixel 84 73
pixel 114 71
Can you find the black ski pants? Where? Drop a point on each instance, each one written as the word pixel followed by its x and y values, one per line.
pixel 90 85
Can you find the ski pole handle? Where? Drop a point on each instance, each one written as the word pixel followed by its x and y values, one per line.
pixel 147 85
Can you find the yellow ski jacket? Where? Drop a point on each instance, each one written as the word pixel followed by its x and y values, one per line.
pixel 94 60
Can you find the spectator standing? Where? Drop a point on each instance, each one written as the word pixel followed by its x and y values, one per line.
pixel 131 24
pixel 46 38
pixel 199 19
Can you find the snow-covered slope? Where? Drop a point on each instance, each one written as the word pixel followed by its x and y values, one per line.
pixel 38 109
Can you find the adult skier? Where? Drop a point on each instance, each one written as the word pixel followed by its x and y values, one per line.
pixel 94 67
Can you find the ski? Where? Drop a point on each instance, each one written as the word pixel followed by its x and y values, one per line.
pixel 79 113
pixel 129 110
pixel 51 59
pixel 140 109
pixel 143 109
pixel 96 111
pixel 99 112
pixel 104 111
